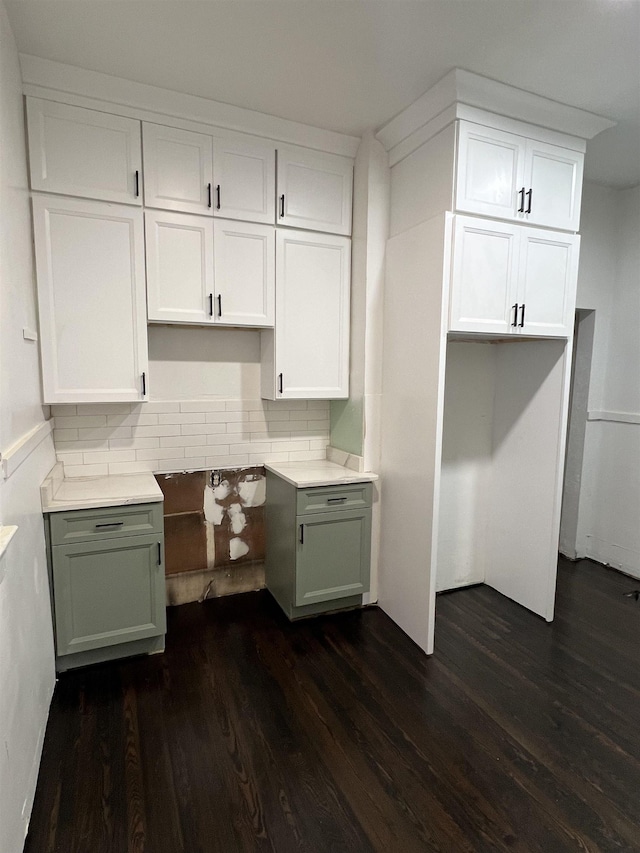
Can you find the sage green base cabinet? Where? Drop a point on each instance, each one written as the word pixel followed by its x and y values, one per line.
pixel 318 545
pixel 107 574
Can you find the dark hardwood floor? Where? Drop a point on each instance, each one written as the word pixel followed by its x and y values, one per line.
pixel 338 734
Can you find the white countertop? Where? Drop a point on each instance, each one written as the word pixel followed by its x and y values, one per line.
pixel 301 474
pixel 87 492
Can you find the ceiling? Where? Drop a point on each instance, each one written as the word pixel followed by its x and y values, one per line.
pixel 349 65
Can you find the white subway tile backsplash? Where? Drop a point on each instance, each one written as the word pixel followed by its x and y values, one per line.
pixel 182 418
pixel 65 435
pixel 86 470
pixel 80 421
pixel 133 420
pixel 133 467
pixel 97 456
pixel 134 443
pixel 202 405
pixel 169 436
pixel 160 453
pixel 63 410
pixel 104 433
pixel 183 440
pixel 157 429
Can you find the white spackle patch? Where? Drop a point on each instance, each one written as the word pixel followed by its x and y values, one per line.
pixel 237 517
pixel 237 548
pixel 222 491
pixel 213 511
pixel 253 492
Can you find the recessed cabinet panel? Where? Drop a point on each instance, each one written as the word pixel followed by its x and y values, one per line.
pixel 548 279
pixel 490 170
pixel 178 171
pixel 483 276
pixel 179 267
pixel 312 315
pixel 314 190
pixel 91 298
pixel 555 178
pixel 244 273
pixel 244 180
pixel 332 556
pixel 83 152
pixel 108 592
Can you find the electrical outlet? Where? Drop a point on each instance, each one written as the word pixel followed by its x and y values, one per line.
pixel 216 478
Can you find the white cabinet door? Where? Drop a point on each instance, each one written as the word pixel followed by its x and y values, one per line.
pixel 93 326
pixel 312 316
pixel 553 186
pixel 244 273
pixel 83 152
pixel 314 190
pixel 547 279
pixel 490 170
pixel 244 174
pixel 178 169
pixel 179 267
pixel 483 276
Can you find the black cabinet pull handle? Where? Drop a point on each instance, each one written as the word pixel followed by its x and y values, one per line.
pixel 280 383
pixel 302 534
pixel 144 384
pixel 521 194
pixel 218 197
pixel 208 195
pixel 219 305
pixel 515 315
pixel 137 183
pixel 530 195
pixel 522 315
pixel 211 304
pixel 109 524
pixel 282 207
pixel 159 553
pixel 336 500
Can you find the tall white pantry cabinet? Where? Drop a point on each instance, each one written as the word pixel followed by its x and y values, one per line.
pixel 482 265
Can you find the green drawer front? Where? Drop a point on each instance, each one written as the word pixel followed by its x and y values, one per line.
pixel 86 525
pixel 108 592
pixel 327 498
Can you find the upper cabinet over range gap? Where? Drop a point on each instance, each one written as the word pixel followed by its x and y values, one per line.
pixel 508 176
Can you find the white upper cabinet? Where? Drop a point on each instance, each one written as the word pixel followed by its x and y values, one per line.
pixel 205 272
pixel 507 176
pixel 511 279
pixel 484 272
pixel 553 186
pixel 86 153
pixel 490 170
pixel 179 267
pixel 308 355
pixel 244 273
pixel 314 190
pixel 548 276
pixel 178 169
pixel 244 174
pixel 91 299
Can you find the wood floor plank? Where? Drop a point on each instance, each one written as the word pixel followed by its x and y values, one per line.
pixel 338 734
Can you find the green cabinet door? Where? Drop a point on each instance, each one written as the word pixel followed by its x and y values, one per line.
pixel 108 592
pixel 333 555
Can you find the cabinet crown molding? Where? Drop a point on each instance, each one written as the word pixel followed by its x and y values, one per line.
pixel 460 88
pixel 57 81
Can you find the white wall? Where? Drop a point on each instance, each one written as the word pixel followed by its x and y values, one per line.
pixel 26 646
pixel 609 282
